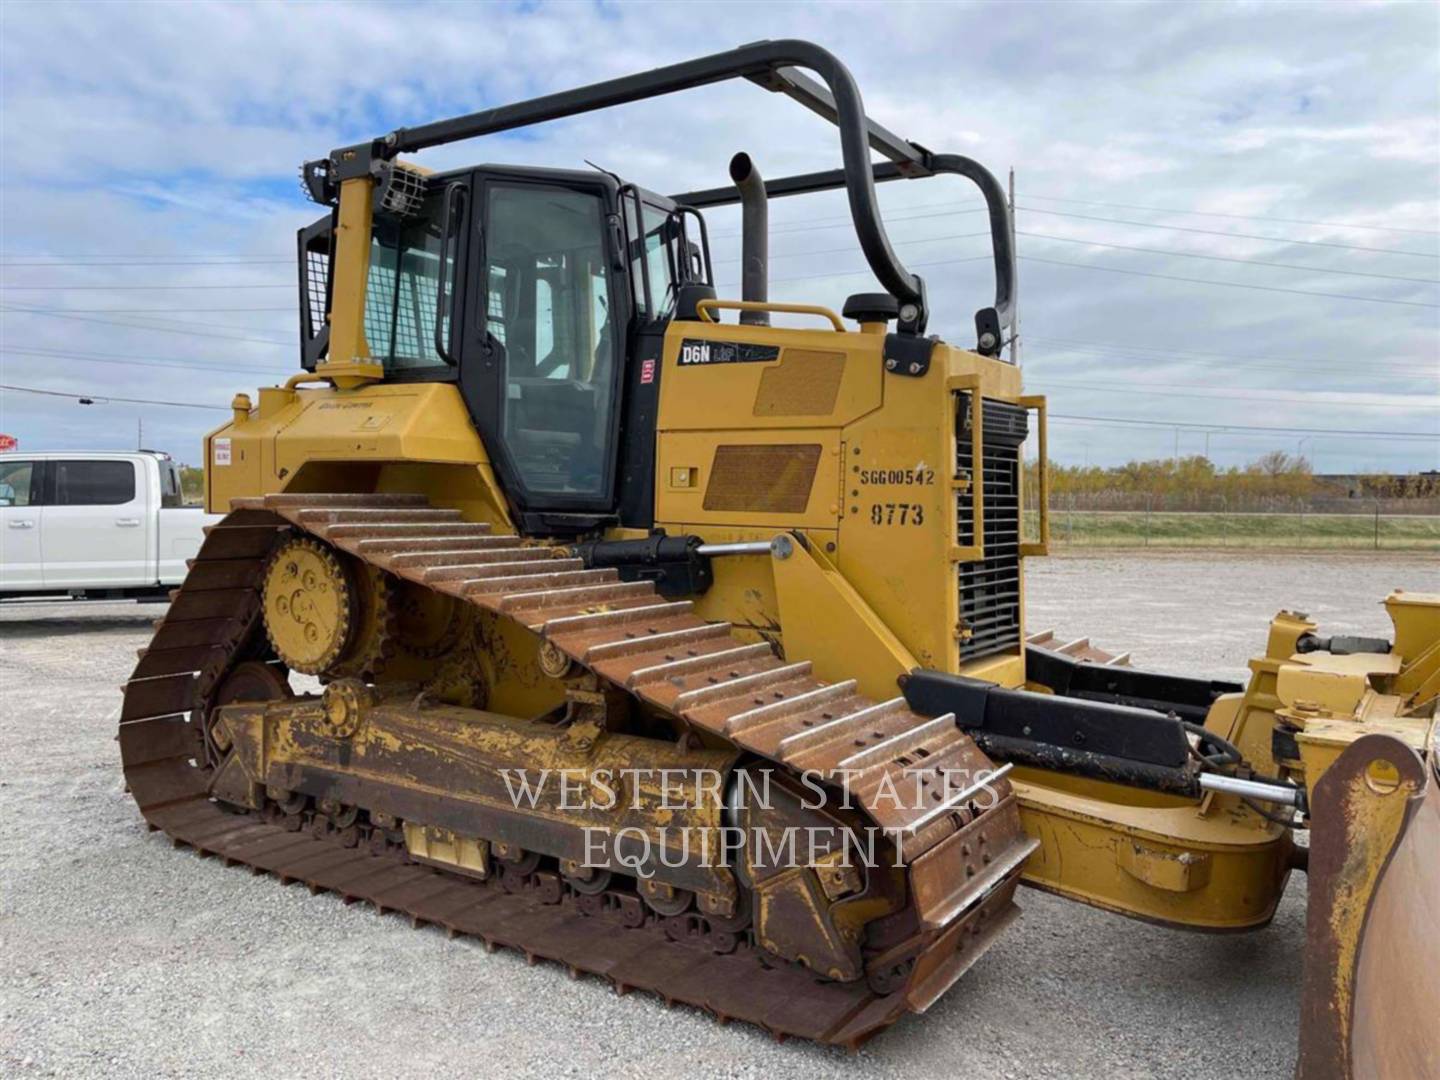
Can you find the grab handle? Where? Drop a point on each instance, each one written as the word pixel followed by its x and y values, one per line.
pixel 703 310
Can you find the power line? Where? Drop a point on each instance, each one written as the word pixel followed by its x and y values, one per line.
pixel 810 224
pixel 157 310
pixel 1056 362
pixel 87 353
pixel 236 260
pixel 853 249
pixel 1193 390
pixel 195 366
pixel 1236 366
pixel 107 288
pixel 1223 258
pixel 137 326
pixel 1189 425
pixel 1232 235
pixel 1147 349
pixel 1239 217
pixel 1232 284
pixel 105 399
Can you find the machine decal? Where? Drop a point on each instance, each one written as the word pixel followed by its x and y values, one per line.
pixel 897 514
pixel 696 353
pixel 919 476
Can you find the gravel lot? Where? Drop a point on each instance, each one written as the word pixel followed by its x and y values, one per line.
pixel 126 957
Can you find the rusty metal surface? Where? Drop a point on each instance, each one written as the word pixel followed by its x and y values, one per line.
pixel 663 654
pixel 1371 994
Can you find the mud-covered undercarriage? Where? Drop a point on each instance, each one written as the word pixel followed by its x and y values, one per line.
pixel 668 779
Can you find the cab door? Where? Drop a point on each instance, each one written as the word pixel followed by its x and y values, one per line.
pixel 545 345
pixel 97 526
pixel 20 487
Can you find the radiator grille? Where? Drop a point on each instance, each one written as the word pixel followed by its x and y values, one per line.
pixel 990 587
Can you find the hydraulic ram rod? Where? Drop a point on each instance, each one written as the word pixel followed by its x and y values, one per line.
pixel 1253 789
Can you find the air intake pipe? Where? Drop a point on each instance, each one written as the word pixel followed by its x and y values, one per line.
pixel 754 237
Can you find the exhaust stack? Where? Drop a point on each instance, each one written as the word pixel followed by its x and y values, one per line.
pixel 754 237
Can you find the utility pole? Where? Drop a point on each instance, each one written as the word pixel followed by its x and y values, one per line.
pixel 1015 318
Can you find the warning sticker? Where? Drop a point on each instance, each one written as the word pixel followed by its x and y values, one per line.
pixel 220 452
pixel 647 372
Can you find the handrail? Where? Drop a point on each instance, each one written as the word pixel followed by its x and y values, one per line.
pixel 702 308
pixel 306 377
pixel 442 347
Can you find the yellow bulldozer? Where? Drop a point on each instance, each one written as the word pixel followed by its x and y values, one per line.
pixel 564 603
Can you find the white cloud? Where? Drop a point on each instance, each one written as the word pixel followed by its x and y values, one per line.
pixel 178 129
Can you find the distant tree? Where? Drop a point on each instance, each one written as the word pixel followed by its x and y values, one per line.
pixel 192 483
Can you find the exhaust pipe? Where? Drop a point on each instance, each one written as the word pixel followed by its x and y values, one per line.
pixel 754 237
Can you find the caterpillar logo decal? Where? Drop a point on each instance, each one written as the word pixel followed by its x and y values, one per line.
pixel 695 353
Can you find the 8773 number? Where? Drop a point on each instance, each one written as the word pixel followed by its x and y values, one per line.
pixel 897 514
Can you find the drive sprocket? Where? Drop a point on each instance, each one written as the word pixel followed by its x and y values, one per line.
pixel 375 636
pixel 311 604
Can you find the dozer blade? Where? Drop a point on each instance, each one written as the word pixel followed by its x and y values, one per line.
pixel 1371 1000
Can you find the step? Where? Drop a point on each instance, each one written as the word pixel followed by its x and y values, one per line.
pixel 303 500
pixel 398 515
pixel 384 530
pixel 790 706
pixel 537 618
pixel 896 746
pixel 404 545
pixel 745 684
pixel 634 644
pixel 419 561
pixel 584 594
pixel 525 584
pixel 481 562
pixel 848 726
pixel 675 669
pixel 651 613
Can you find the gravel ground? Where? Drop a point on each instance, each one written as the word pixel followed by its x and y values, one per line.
pixel 126 957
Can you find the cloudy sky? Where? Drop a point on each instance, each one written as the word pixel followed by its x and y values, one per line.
pixel 1229 214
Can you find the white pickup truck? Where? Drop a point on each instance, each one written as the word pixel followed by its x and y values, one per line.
pixel 94 525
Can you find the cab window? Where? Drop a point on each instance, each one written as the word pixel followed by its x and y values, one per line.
pixel 93 483
pixel 401 288
pixel 550 306
pixel 651 264
pixel 15 483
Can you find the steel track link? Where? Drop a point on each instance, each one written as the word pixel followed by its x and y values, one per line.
pixel 660 652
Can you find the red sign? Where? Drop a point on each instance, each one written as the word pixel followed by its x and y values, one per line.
pixel 647 372
pixel 8 442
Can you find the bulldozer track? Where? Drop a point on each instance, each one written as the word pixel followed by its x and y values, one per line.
pixel 659 651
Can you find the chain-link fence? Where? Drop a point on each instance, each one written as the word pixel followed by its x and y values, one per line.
pixel 1128 519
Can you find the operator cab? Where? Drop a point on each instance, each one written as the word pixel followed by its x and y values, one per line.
pixel 529 288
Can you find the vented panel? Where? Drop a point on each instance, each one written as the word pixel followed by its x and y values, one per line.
pixel 804 383
pixel 317 289
pixel 763 479
pixel 990 587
